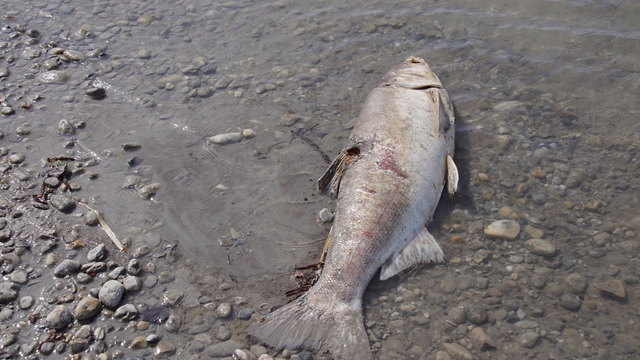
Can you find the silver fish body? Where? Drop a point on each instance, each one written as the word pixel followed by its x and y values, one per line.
pixel 388 180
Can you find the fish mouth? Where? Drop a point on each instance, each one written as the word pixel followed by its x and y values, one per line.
pixel 414 73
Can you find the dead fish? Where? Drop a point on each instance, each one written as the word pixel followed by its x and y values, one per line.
pixel 388 181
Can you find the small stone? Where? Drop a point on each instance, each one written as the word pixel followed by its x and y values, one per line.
pixel 245 314
pixel 126 312
pixel 174 322
pixel 67 267
pixel 19 277
pixel 46 348
pixel 53 77
pixel 139 342
pixel 533 231
pixel 62 203
pixel 78 345
pixel 223 310
pixel 570 302
pixel 131 146
pixel 241 354
pixel 23 130
pixel 65 127
pixel 457 351
pixel 527 324
pixel 132 283
pixel 248 133
pixel 26 302
pixel 117 272
pixel 458 315
pixel 529 339
pixel 172 297
pixel 224 139
pixel 73 55
pixel 6 110
pixel 612 288
pixel 541 247
pixel 7 292
pixel 111 293
pixel 480 340
pixel 148 191
pixel 96 93
pixel 87 307
pixel 476 314
pixel 133 266
pixel 164 349
pixel 503 229
pixel 576 283
pixel 325 215
pixel 59 317
pixel 223 333
pixel 16 158
pixel 98 253
pixel 225 348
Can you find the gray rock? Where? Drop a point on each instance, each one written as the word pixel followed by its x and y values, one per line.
pixel 480 340
pixel 174 322
pixel 527 324
pixel 576 283
pixel 62 203
pixel 149 190
pixel 8 292
pixel 126 312
pixel 503 229
pixel 612 288
pixel 541 247
pixel 98 253
pixel 59 317
pixel 164 349
pixel 476 314
pixel 53 77
pixel 93 267
pixel 26 302
pixel 65 127
pixel 19 277
pixel 133 267
pixel 529 339
pixel 67 267
pixel 111 293
pixel 223 310
pixel 457 351
pixel 90 217
pixel 223 333
pixel 73 55
pixel 87 307
pixel 224 139
pixel 117 272
pixel 225 348
pixel 16 158
pixel 570 302
pixel 458 315
pixel 245 314
pixel 132 283
pixel 325 215
pixel 96 93
pixel 172 297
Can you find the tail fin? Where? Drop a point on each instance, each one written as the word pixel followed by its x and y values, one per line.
pixel 338 328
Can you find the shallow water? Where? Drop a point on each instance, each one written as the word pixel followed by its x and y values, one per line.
pixel 538 86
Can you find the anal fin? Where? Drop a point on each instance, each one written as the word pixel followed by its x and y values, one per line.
pixel 452 176
pixel 423 249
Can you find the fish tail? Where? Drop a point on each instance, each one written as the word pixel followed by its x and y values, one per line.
pixel 306 324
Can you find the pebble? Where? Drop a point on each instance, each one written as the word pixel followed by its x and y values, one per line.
pixel 174 322
pixel 87 307
pixel 224 139
pixel 325 215
pixel 65 127
pixel 529 339
pixel 16 158
pixel 223 310
pixel 480 340
pixel 111 293
pixel 241 354
pixel 8 292
pixel 132 283
pixel 126 312
pixel 139 342
pixel 59 317
pixel 62 203
pixel 612 288
pixel 6 110
pixel 96 93
pixel 23 130
pixel 533 232
pixel 526 324
pixel 67 267
pixel 73 55
pixel 541 247
pixel 576 283
pixel 98 253
pixel 149 190
pixel 223 333
pixel 164 349
pixel 19 277
pixel 503 229
pixel 457 351
pixel 245 314
pixel 248 133
pixel 476 314
pixel 225 348
pixel 172 297
pixel 26 302
pixel 458 315
pixel 54 77
pixel 570 302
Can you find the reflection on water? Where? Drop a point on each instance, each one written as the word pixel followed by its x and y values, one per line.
pixel 546 98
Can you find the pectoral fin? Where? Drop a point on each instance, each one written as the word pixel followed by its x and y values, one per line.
pixel 422 250
pixel 452 176
pixel 330 181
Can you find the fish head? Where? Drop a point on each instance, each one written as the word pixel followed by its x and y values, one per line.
pixel 413 73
